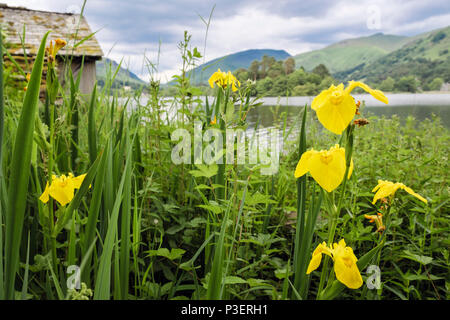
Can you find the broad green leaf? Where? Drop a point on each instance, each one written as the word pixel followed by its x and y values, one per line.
pixel 205 170
pixel 234 280
pixel 415 257
pixel 173 254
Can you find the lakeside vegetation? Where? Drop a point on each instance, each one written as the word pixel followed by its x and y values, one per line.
pixel 272 78
pixel 92 185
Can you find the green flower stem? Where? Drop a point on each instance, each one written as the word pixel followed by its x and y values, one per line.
pixel 334 210
pixel 50 171
pixel 331 208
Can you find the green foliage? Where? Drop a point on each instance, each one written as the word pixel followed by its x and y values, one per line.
pixel 406 84
pixel 321 70
pixel 424 57
pixel 436 84
pixel 351 53
pixel 387 85
pixel 277 78
pixel 141 227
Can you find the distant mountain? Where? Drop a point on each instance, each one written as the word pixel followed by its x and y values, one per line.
pixel 350 53
pixel 424 56
pixel 232 62
pixel 124 77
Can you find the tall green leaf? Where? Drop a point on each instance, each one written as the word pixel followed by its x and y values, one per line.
pixel 2 120
pixel 20 171
pixel 92 134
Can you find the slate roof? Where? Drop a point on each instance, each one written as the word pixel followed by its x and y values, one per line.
pixel 37 23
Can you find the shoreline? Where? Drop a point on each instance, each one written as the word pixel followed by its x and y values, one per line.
pixel 395 99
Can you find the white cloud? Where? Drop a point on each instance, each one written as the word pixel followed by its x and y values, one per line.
pixel 250 25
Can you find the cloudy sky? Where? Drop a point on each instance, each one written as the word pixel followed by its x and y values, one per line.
pixel 134 28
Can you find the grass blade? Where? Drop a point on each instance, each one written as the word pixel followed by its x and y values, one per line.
pixel 2 120
pixel 92 134
pixel 217 276
pixel 20 171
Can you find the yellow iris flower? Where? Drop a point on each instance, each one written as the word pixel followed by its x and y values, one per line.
pixel 53 49
pixel 223 79
pixel 62 188
pixel 378 219
pixel 327 167
pixel 214 121
pixel 344 260
pixel 335 107
pixel 388 188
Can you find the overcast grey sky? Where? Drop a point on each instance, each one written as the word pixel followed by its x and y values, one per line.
pixel 130 28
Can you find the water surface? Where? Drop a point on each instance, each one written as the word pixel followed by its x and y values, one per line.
pixel 420 106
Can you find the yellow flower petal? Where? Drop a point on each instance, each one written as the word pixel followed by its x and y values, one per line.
pixel 378 186
pixel 314 263
pixel 62 188
pixel 77 181
pixel 327 168
pixel 335 107
pixel 45 196
pixel 321 99
pixel 317 257
pixel 336 117
pixel 223 80
pixel 212 80
pixel 345 266
pixel 388 188
pixel 62 194
pixel 347 271
pixel 344 259
pixel 377 94
pixel 302 165
pixel 411 192
pixel 350 169
pixel 385 190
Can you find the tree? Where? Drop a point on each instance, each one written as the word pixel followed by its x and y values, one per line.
pixel 253 69
pixel 406 84
pixel 308 89
pixel 298 77
pixel 279 86
pixel 314 78
pixel 321 70
pixel 436 84
pixel 326 83
pixel 264 86
pixel 242 75
pixel 276 70
pixel 289 65
pixel 266 64
pixel 387 85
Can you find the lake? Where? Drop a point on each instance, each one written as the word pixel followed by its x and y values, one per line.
pixel 420 106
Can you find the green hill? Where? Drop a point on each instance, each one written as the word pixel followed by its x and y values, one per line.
pixel 232 62
pixel 124 77
pixel 350 53
pixel 425 57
